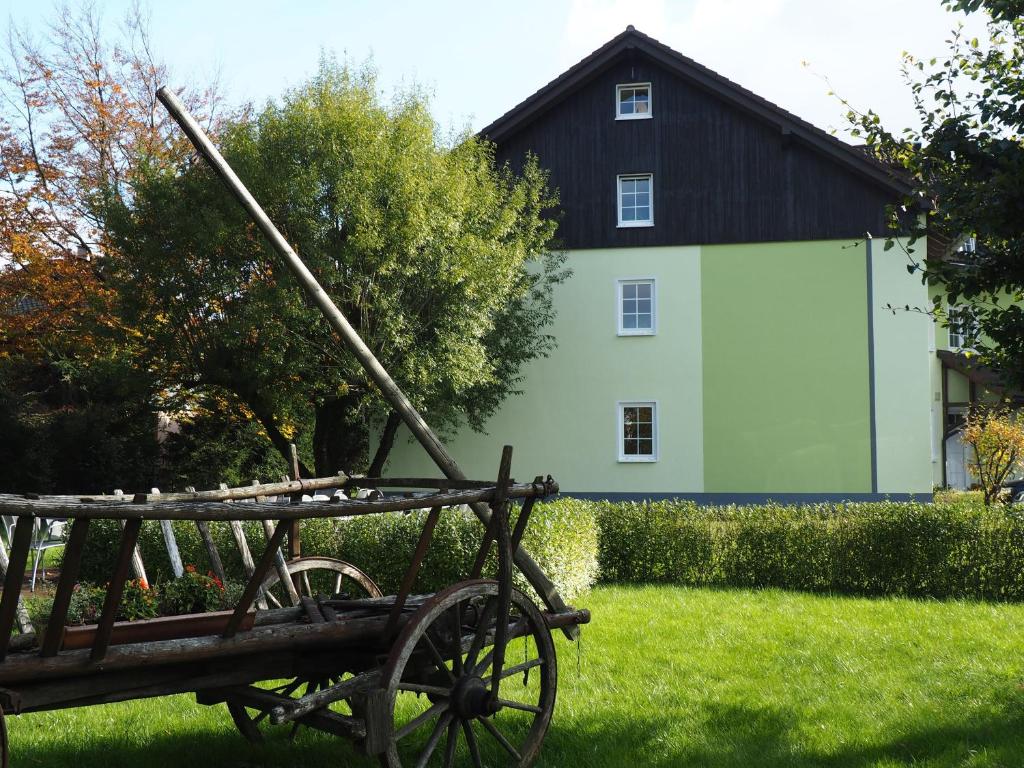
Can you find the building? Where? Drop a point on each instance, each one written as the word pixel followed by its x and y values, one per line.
pixel 726 335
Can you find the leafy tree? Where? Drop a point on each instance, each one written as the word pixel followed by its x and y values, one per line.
pixel 966 160
pixel 440 261
pixel 996 435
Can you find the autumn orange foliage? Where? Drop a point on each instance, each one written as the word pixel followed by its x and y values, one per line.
pixel 78 120
pixel 996 434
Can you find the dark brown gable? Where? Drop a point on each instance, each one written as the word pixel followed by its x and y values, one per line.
pixel 722 173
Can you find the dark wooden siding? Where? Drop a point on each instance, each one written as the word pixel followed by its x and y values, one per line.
pixel 720 174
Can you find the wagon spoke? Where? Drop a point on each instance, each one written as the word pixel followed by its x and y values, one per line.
pixel 450 743
pixel 474 748
pixel 270 596
pixel 305 583
pixel 418 688
pixel 430 714
pixel 438 658
pixel 485 662
pixel 526 665
pixel 337 586
pixel 457 638
pixel 435 737
pixel 481 632
pixel 499 737
pixel 520 706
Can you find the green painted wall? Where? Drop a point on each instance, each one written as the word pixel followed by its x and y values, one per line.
pixel 785 368
pixel 904 386
pixel 565 422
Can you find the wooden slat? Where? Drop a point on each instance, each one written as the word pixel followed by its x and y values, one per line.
pixel 238 532
pixel 171 543
pixel 104 627
pixel 521 521
pixel 69 569
pixel 211 550
pixel 259 573
pixel 414 568
pixel 21 613
pixel 63 507
pixel 21 541
pixel 282 568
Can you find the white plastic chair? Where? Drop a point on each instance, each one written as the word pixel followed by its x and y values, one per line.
pixel 48 534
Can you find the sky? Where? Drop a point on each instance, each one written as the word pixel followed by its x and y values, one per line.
pixel 479 59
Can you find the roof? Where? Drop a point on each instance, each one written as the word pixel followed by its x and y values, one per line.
pixel 633 40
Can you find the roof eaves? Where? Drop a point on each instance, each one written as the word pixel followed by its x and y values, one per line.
pixel 706 78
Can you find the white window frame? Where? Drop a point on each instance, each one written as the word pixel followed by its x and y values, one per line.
pixel 633 116
pixel 957 340
pixel 624 457
pixel 618 199
pixel 623 331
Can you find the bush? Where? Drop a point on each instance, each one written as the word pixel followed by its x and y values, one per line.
pixel 957 548
pixel 561 536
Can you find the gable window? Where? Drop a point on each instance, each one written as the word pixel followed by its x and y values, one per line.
pixel 638 431
pixel 633 101
pixel 636 200
pixel 636 307
pixel 963 327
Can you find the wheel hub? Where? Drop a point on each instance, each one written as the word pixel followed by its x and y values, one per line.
pixel 471 698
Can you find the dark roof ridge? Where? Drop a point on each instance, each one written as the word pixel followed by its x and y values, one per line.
pixel 707 78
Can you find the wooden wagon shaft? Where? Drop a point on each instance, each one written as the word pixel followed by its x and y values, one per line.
pixel 45 507
pixel 389 390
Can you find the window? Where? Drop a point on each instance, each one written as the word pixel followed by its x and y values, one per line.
pixel 633 101
pixel 636 307
pixel 963 327
pixel 636 204
pixel 638 431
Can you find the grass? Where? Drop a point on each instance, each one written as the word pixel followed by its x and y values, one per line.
pixel 678 677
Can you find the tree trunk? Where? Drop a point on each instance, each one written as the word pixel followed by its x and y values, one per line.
pixel 387 439
pixel 339 436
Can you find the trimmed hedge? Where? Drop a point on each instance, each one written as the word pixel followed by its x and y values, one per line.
pixel 562 536
pixel 949 550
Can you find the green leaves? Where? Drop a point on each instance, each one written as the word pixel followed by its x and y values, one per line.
pixel 440 260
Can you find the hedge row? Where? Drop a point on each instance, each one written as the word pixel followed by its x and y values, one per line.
pixel 954 549
pixel 561 536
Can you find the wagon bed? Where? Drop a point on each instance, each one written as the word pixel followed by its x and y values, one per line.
pixel 348 662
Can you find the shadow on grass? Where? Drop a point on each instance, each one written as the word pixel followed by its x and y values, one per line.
pixel 741 737
pixel 726 737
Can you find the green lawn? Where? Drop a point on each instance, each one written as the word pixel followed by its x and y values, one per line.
pixel 679 677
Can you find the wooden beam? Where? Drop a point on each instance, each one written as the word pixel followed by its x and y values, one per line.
pixel 21 542
pixel 104 627
pixel 413 570
pixel 69 569
pixel 252 587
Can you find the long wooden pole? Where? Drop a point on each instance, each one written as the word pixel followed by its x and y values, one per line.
pixel 387 386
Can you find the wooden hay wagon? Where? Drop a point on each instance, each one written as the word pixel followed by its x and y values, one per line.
pixel 408 677
pixel 416 679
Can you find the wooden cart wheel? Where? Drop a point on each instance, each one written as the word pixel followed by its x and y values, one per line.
pixel 438 683
pixel 254 724
pixel 324 576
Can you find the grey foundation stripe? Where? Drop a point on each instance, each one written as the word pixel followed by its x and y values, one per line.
pixel 871 366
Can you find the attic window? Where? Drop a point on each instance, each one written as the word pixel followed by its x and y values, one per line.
pixel 633 101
